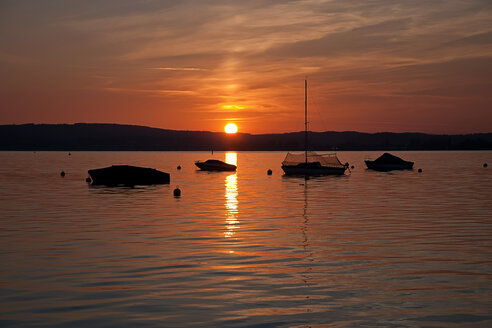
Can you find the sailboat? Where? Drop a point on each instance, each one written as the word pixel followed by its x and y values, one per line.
pixel 310 163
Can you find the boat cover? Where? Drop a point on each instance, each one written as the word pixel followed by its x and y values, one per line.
pixel 388 158
pixel 327 160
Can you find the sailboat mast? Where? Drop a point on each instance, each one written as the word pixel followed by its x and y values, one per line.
pixel 305 122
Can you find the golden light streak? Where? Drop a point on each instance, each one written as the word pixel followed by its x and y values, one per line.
pixel 231 205
pixel 231 106
pixel 231 202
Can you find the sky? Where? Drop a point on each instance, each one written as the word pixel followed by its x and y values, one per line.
pixel 371 66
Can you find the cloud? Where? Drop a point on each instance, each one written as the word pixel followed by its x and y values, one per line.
pixel 154 92
pixel 177 68
pixel 484 39
pixel 359 41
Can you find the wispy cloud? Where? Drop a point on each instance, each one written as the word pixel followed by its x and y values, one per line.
pixel 178 68
pixel 150 91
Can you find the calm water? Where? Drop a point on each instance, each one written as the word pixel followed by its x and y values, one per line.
pixel 395 249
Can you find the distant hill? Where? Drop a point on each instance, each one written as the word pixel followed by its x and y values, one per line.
pixel 84 136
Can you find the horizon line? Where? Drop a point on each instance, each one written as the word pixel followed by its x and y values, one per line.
pixel 244 133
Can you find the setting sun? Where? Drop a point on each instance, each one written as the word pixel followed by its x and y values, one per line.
pixel 230 128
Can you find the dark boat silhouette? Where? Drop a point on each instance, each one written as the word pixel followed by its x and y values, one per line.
pixel 128 175
pixel 388 162
pixel 215 165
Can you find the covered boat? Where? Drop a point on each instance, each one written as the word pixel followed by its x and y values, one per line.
pixel 127 175
pixel 388 162
pixel 215 165
pixel 314 164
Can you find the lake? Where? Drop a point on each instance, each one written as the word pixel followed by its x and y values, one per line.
pixel 245 249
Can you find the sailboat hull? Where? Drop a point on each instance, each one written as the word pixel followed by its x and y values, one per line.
pixel 312 171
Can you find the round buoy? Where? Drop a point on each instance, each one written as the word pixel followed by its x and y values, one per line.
pixel 88 180
pixel 269 172
pixel 352 167
pixel 485 165
pixel 177 192
pixel 420 170
pixel 69 154
pixel 179 167
pixel 62 173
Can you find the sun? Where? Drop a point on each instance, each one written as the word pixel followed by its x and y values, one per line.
pixel 230 128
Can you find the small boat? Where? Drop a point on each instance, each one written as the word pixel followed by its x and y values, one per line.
pixel 388 162
pixel 313 164
pixel 310 163
pixel 127 175
pixel 215 165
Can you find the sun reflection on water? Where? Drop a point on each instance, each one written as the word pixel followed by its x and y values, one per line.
pixel 231 158
pixel 231 202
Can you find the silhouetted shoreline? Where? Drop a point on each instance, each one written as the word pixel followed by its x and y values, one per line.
pixel 116 137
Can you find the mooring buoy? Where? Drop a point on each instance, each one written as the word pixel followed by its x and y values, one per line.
pixel 269 172
pixel 485 165
pixel 420 170
pixel 352 167
pixel 177 192
pixel 62 174
pixel 179 167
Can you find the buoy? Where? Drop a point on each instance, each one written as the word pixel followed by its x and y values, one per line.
pixel 69 154
pixel 88 180
pixel 179 167
pixel 269 172
pixel 485 165
pixel 62 173
pixel 352 167
pixel 177 192
pixel 420 170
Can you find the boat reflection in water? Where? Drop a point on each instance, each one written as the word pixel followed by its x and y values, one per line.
pixel 231 202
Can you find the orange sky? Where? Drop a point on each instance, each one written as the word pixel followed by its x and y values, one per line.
pixel 383 65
